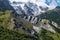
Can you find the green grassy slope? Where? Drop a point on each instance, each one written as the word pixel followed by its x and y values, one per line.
pixel 6 23
pixel 6 19
pixel 51 16
pixel 6 34
pixel 46 35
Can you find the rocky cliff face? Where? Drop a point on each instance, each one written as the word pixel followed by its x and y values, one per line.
pixel 57 9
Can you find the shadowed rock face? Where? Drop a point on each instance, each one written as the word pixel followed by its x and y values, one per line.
pixel 5 4
pixel 57 9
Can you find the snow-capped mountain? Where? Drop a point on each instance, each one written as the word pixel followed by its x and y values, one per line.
pixel 32 7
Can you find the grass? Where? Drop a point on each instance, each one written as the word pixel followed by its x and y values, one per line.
pixel 51 16
pixel 6 19
pixel 6 34
pixel 47 35
pixel 28 25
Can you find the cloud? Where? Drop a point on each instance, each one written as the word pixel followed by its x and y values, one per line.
pixel 58 2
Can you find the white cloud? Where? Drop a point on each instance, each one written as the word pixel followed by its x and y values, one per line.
pixel 58 1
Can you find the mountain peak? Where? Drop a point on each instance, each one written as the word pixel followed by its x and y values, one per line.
pixel 58 7
pixel 38 6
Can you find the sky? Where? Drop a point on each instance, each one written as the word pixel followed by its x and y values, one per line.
pixel 49 1
pixel 58 2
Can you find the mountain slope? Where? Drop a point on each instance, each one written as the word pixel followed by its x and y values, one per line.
pixel 6 28
pixel 6 34
pixel 52 16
